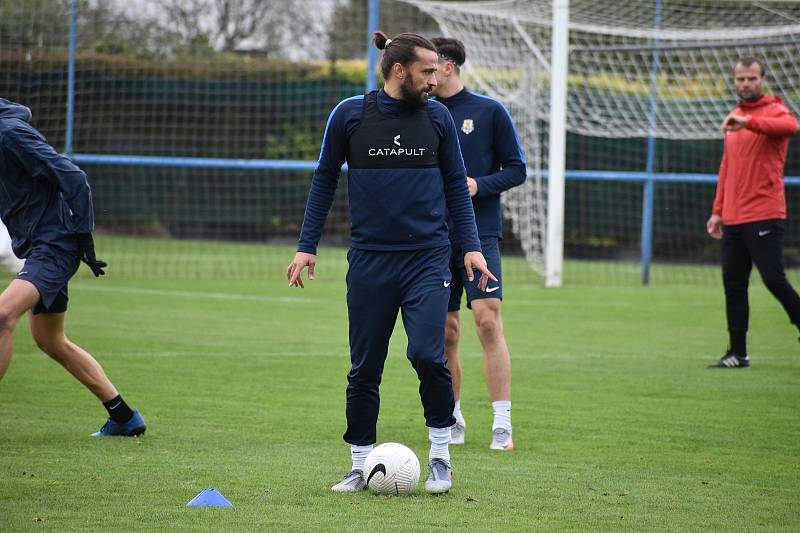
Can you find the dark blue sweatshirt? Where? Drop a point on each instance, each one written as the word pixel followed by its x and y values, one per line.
pixel 492 154
pixel 392 208
pixel 45 198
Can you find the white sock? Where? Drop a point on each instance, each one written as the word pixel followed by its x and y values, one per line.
pixel 502 414
pixel 359 455
pixel 440 440
pixel 457 413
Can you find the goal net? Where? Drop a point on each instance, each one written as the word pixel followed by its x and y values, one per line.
pixel 637 69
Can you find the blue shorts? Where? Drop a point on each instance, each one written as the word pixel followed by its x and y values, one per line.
pixel 50 269
pixel 491 252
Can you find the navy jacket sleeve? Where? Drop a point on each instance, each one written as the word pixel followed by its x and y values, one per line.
pixel 456 191
pixel 326 178
pixel 40 160
pixel 508 152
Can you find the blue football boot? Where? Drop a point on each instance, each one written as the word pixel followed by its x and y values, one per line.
pixel 132 428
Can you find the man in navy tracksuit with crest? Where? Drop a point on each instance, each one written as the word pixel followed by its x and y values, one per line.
pixel 495 163
pixel 405 174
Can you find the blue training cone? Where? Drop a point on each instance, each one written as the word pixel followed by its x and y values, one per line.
pixel 209 498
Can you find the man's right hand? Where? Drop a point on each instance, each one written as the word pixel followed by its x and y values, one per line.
pixel 295 269
pixel 473 187
pixel 714 226
pixel 733 122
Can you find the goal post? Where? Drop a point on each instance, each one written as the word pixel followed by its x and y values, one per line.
pixel 554 247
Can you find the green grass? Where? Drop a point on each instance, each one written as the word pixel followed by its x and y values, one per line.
pixel 149 258
pixel 617 422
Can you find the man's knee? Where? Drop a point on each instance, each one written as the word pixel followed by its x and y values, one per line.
pixel 487 321
pixel 452 330
pixel 489 327
pixel 53 345
pixel 8 321
pixel 776 283
pixel 735 284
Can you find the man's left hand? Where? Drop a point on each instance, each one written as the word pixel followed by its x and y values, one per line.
pixel 86 245
pixel 475 260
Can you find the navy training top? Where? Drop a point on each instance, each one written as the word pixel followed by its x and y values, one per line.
pixel 492 154
pixel 393 205
pixel 45 198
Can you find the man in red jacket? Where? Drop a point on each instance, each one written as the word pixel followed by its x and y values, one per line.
pixel 750 207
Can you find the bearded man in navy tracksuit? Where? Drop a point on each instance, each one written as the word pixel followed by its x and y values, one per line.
pixel 495 163
pixel 46 204
pixel 405 172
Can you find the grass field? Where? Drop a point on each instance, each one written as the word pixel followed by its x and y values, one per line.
pixel 617 422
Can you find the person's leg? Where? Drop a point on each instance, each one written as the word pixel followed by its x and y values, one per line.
pixel 736 267
pixel 451 340
pixel 452 337
pixel 372 313
pixel 48 332
pixel 496 359
pixel 496 367
pixel 424 311
pixel 765 242
pixel 18 297
pixel 485 306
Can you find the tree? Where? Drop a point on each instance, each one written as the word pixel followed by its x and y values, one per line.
pixel 33 23
pixel 348 30
pixel 267 26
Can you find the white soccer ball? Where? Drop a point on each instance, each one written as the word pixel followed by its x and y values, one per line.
pixel 391 468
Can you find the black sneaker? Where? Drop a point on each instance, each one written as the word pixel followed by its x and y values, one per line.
pixel 731 360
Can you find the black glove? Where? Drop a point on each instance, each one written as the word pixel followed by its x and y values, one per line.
pixel 86 245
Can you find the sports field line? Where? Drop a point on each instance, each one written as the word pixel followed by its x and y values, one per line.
pixel 197 295
pixel 243 353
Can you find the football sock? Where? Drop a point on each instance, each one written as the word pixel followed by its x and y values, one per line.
pixel 118 410
pixel 359 455
pixel 440 439
pixel 738 344
pixel 502 414
pixel 457 413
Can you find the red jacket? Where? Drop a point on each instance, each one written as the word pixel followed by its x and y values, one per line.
pixel 750 186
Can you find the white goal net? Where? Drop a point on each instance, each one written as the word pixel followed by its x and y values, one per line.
pixel 637 68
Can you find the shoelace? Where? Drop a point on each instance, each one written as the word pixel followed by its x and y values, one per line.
pixel 439 469
pixel 502 435
pixel 351 474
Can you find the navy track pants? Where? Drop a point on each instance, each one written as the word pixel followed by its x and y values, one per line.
pixel 379 284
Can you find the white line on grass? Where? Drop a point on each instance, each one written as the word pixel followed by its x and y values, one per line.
pixel 194 354
pixel 199 295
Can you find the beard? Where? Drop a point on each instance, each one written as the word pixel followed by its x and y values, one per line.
pixel 750 95
pixel 411 95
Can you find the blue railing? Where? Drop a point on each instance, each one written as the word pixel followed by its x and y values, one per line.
pixel 310 166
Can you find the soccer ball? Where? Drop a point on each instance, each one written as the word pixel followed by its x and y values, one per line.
pixel 391 468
